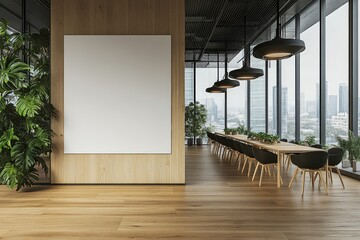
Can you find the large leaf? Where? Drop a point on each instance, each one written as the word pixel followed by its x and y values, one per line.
pixel 7 138
pixel 12 73
pixel 28 106
pixel 13 177
pixel 23 155
pixel 10 175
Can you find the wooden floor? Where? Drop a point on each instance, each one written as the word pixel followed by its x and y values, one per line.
pixel 217 203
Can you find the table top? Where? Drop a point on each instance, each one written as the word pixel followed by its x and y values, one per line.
pixel 281 147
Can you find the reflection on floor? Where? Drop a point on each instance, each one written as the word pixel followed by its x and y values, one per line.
pixel 217 203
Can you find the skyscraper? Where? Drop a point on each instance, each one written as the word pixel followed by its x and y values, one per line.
pixel 332 106
pixel 284 108
pixel 343 98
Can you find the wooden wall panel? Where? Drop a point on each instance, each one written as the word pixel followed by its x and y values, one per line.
pixel 118 17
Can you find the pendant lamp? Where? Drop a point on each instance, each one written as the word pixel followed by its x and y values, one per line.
pixel 246 72
pixel 227 82
pixel 215 89
pixel 278 48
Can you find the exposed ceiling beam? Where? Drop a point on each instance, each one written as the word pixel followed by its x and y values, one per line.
pixel 214 27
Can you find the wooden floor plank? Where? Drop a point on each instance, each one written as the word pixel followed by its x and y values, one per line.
pixel 217 202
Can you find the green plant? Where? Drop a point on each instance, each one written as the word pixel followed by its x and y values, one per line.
pixel 351 145
pixel 227 131
pixel 309 140
pixel 242 130
pixel 195 119
pixel 25 108
pixel 263 137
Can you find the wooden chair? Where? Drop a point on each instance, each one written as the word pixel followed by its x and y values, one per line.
pixel 334 158
pixel 312 162
pixel 249 157
pixel 266 160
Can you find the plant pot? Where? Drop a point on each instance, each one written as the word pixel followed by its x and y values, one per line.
pixel 345 163
pixel 190 141
pixel 199 141
pixel 356 166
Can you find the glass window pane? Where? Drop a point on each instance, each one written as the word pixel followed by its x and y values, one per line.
pixel 309 73
pixel 237 98
pixel 337 73
pixel 213 102
pixel 257 98
pixel 272 93
pixel 288 89
pixel 189 83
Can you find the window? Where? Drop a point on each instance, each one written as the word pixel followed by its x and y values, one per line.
pixel 213 102
pixel 288 89
pixel 337 36
pixel 257 98
pixel 309 73
pixel 237 98
pixel 189 83
pixel 272 93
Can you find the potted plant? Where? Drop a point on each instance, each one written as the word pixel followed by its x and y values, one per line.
pixel 25 106
pixel 227 131
pixel 309 140
pixel 195 119
pixel 352 147
pixel 189 134
pixel 241 130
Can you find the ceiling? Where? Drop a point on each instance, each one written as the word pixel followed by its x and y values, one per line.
pixel 210 24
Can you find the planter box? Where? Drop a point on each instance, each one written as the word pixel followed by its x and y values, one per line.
pixel 356 166
pixel 190 141
pixel 346 163
pixel 199 141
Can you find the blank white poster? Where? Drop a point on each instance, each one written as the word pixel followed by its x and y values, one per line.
pixel 117 94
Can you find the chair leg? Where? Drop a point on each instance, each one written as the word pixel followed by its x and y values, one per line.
pixel 303 183
pixel 249 170
pixel 312 180
pixel 246 160
pixel 256 168
pixel 239 161
pixel 273 169
pixel 323 182
pixel 330 175
pixel 288 164
pixel 269 170
pixel 293 177
pixel 338 172
pixel 261 174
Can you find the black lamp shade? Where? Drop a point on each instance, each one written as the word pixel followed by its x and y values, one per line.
pixel 227 83
pixel 214 89
pixel 278 48
pixel 246 73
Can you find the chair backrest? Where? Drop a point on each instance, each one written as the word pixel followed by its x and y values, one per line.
pixel 238 147
pixel 208 134
pixel 310 160
pixel 263 156
pixel 247 150
pixel 335 156
pixel 317 146
pixel 283 140
pixel 294 142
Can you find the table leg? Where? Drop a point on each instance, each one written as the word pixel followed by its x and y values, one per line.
pixel 278 169
pixel 326 172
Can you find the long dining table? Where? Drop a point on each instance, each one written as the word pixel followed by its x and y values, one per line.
pixel 280 149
